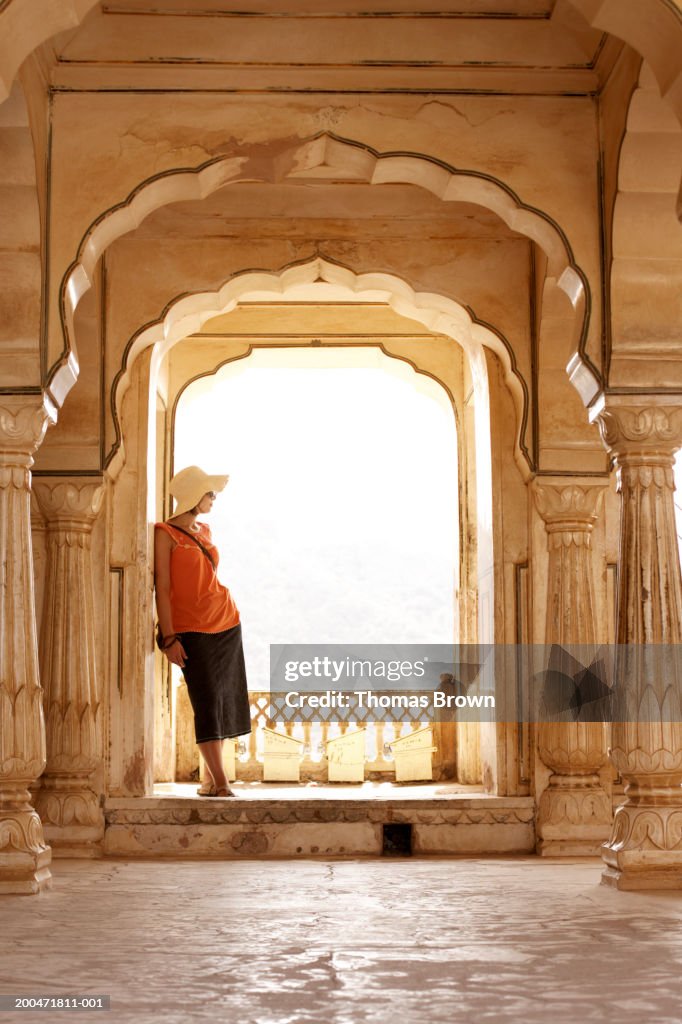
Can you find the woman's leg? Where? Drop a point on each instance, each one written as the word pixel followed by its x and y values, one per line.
pixel 212 753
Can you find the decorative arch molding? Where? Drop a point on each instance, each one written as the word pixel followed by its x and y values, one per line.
pixel 331 158
pixel 319 279
pixel 25 24
pixel 653 29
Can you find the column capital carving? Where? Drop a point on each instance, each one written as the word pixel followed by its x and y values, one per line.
pixel 569 504
pixel 641 425
pixel 70 501
pixel 23 422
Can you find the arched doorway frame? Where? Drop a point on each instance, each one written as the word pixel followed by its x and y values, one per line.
pixel 318 278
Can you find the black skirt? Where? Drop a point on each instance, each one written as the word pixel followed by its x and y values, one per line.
pixel 215 674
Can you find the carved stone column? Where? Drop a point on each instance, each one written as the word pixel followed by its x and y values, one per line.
pixel 24 855
pixel 645 849
pixel 574 813
pixel 69 805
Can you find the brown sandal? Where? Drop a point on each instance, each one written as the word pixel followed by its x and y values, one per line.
pixel 224 791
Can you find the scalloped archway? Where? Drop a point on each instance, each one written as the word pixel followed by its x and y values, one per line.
pixel 315 280
pixel 328 157
pixel 321 280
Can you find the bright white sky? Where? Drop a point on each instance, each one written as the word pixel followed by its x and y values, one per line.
pixel 339 523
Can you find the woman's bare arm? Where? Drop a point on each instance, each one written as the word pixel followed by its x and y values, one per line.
pixel 163 545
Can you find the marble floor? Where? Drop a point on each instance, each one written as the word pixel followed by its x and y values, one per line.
pixel 371 941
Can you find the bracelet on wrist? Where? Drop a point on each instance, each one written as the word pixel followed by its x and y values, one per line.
pixel 169 641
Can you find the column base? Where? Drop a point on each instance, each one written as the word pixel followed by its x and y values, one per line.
pixel 24 855
pixel 645 848
pixel 73 820
pixel 631 881
pixel 574 817
pixel 24 874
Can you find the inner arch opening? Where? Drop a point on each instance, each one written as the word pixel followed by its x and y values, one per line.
pixel 310 311
pixel 340 523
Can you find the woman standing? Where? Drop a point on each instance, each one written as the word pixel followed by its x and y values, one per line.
pixel 199 621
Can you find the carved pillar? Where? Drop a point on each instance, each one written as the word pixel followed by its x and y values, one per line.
pixel 574 813
pixel 68 801
pixel 24 855
pixel 645 849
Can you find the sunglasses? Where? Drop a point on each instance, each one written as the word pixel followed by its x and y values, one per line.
pixel 211 494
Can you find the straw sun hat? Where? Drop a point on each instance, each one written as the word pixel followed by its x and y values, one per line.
pixel 190 485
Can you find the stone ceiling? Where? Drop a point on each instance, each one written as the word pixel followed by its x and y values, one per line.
pixel 491 46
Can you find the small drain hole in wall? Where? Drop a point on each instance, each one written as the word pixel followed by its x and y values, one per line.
pixel 397 841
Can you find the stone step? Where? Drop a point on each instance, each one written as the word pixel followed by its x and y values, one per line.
pixel 288 821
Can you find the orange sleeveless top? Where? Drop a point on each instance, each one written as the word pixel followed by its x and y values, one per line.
pixel 199 602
